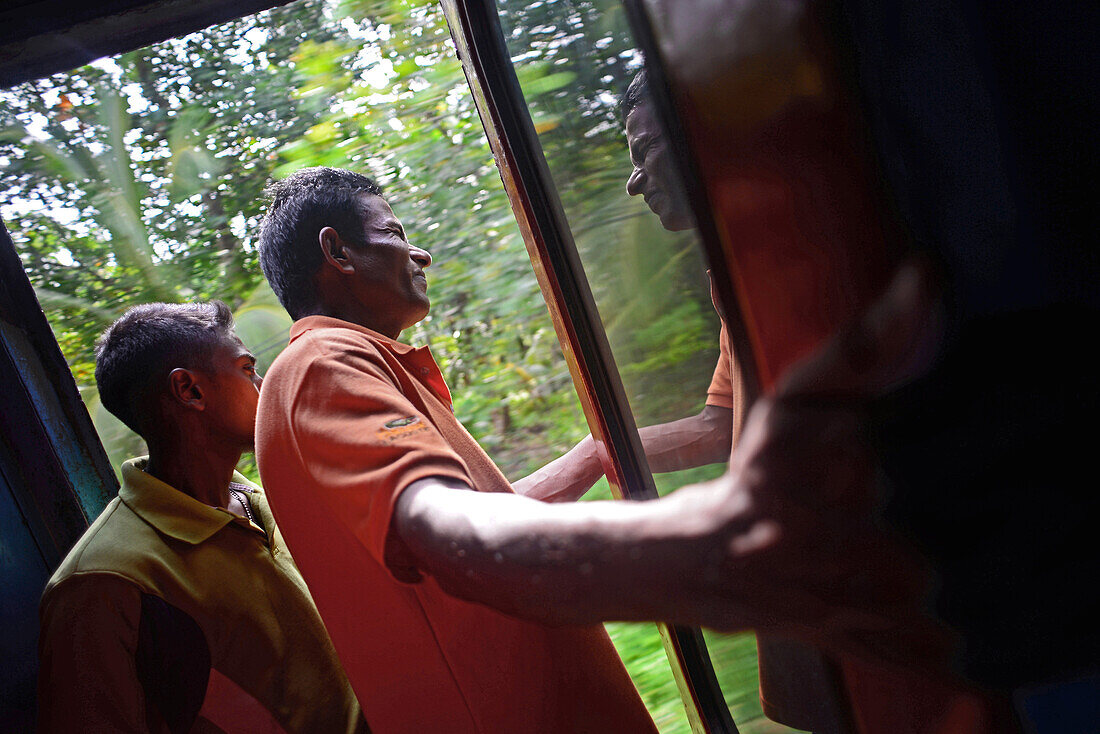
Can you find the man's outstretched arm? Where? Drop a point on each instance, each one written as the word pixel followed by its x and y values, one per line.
pixel 753 549
pixel 567 477
pixel 702 439
pixel 786 541
pixel 576 563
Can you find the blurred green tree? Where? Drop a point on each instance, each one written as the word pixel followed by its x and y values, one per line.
pixel 140 179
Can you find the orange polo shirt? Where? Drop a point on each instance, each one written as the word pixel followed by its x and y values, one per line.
pixel 726 389
pixel 347 420
pixel 720 393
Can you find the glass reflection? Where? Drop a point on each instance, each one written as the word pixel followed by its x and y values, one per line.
pixel 575 61
pixel 705 438
pixel 654 175
pixel 610 161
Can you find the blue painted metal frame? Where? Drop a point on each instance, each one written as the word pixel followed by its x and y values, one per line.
pixel 54 476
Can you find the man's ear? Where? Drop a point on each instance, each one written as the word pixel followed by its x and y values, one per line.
pixel 334 250
pixel 184 389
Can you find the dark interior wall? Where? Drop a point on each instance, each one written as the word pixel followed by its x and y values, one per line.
pixel 23 574
pixel 42 37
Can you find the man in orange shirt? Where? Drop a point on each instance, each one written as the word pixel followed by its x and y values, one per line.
pixel 443 587
pixel 353 425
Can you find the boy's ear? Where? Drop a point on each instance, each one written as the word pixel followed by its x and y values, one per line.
pixel 334 250
pixel 184 389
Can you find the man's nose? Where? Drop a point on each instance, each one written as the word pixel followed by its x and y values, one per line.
pixel 258 380
pixel 634 182
pixel 421 257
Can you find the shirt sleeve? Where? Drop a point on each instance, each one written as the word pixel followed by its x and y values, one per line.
pixel 364 442
pixel 87 678
pixel 720 392
pixel 727 390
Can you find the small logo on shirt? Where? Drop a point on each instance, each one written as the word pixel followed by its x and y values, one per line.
pixel 399 428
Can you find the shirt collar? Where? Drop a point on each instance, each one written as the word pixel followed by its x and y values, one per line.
pixel 169 510
pixel 303 325
pixel 418 360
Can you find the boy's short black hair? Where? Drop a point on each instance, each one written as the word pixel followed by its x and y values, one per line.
pixel 637 94
pixel 136 353
pixel 304 203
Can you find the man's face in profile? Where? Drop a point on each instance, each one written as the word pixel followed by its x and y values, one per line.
pixel 654 175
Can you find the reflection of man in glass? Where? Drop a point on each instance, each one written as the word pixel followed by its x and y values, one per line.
pixel 704 438
pixel 654 175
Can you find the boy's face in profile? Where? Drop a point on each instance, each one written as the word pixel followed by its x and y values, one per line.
pixel 233 387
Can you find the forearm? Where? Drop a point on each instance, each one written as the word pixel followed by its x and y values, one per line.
pixel 788 540
pixel 690 442
pixel 576 563
pixel 566 478
pixel 684 444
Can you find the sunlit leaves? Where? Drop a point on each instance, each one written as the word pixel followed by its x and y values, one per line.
pixel 139 178
pixel 191 164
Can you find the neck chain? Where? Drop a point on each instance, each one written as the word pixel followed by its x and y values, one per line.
pixel 247 510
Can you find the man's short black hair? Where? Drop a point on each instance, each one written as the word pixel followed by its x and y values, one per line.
pixel 135 355
pixel 637 94
pixel 303 204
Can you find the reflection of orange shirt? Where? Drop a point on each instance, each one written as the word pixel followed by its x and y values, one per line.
pixel 720 392
pixel 348 419
pixel 726 388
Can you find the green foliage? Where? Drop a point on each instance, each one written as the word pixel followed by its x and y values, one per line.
pixel 141 179
pixel 639 645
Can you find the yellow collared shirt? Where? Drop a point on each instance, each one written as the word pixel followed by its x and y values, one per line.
pixel 170 614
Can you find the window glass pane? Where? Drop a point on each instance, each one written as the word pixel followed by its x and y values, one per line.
pixel 640 252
